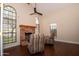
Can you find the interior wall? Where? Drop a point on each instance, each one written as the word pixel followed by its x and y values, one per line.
pixel 67 20
pixel 23 17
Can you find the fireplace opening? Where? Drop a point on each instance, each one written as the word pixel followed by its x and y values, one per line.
pixel 27 36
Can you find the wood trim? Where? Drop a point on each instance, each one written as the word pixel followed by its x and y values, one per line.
pixel 27 26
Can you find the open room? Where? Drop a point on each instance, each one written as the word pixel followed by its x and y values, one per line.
pixel 41 29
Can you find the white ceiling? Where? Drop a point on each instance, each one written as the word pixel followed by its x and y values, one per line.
pixel 46 8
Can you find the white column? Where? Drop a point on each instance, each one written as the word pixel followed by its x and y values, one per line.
pixel 37 30
pixel 1 29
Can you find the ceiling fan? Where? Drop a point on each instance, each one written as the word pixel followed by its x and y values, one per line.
pixel 36 12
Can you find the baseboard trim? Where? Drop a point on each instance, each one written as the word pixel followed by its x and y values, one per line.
pixel 67 41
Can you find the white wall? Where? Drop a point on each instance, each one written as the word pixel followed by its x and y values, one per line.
pixel 23 17
pixel 67 20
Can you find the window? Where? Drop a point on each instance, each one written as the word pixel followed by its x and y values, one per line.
pixel 53 29
pixel 9 25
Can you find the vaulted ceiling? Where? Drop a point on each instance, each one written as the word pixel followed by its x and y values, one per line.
pixel 46 8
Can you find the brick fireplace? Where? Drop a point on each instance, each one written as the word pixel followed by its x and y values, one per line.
pixel 25 31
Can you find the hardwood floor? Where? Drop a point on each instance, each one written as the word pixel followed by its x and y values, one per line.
pixel 58 49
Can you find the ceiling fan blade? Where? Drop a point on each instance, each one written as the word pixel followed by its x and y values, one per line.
pixel 32 13
pixel 39 13
pixel 36 13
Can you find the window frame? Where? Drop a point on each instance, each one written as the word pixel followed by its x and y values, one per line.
pixel 15 20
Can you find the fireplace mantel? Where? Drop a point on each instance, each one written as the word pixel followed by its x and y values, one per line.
pixel 27 26
pixel 25 29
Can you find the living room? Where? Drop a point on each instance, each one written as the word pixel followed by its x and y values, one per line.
pixel 62 17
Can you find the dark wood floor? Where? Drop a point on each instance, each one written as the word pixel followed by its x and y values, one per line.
pixel 58 49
